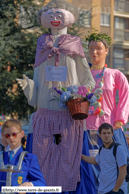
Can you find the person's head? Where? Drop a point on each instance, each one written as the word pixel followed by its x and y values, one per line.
pixel 98 45
pixel 13 133
pixel 106 132
pixel 58 14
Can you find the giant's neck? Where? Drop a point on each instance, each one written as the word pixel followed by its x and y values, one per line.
pixel 58 32
pixel 98 65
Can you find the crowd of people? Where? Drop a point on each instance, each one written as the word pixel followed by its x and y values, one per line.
pixel 68 163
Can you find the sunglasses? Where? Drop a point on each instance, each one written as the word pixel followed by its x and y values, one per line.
pixel 12 134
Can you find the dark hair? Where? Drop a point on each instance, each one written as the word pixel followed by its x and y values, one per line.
pixel 102 40
pixel 105 126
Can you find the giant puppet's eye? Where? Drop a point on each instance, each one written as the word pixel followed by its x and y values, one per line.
pixel 51 16
pixel 59 16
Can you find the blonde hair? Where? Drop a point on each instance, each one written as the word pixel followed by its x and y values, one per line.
pixel 11 123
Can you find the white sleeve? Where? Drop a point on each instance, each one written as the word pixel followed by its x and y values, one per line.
pixel 83 70
pixel 31 90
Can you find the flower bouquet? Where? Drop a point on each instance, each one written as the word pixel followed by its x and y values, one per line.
pixel 77 99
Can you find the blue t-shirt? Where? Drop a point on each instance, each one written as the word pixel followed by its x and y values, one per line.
pixel 108 166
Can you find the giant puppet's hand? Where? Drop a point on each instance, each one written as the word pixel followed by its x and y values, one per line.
pixel 118 125
pixel 23 82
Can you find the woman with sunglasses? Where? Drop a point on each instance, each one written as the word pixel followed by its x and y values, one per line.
pixel 30 172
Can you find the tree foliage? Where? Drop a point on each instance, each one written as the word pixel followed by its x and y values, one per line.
pixel 17 52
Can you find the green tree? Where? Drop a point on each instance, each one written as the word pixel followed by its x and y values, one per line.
pixel 19 32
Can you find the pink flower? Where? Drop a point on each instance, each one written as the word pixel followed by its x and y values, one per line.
pixel 82 91
pixel 84 88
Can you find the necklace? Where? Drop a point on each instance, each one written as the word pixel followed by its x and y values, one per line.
pixel 98 93
pixel 98 110
pixel 99 75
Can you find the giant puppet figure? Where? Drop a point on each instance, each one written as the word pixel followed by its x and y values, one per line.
pixel 60 164
pixel 109 81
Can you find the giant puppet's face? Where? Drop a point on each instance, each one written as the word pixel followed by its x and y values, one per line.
pixel 57 18
pixel 97 51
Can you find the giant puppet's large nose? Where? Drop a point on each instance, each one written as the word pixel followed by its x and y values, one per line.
pixel 55 18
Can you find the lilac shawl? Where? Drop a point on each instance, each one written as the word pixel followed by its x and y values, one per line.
pixel 67 44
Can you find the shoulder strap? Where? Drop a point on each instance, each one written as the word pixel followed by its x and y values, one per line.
pixel 100 149
pixel 115 149
pixel 21 158
pixel 114 153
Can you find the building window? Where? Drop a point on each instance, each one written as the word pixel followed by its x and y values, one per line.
pixel 119 23
pixel 118 62
pixel 121 59
pixel 84 18
pixel 105 19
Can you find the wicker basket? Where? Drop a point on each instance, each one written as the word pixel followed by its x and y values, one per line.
pixel 78 108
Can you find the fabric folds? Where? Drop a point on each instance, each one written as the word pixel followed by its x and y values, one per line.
pixel 60 164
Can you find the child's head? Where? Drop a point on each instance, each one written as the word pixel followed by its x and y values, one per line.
pixel 13 133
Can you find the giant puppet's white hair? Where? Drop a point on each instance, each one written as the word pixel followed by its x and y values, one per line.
pixel 63 4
